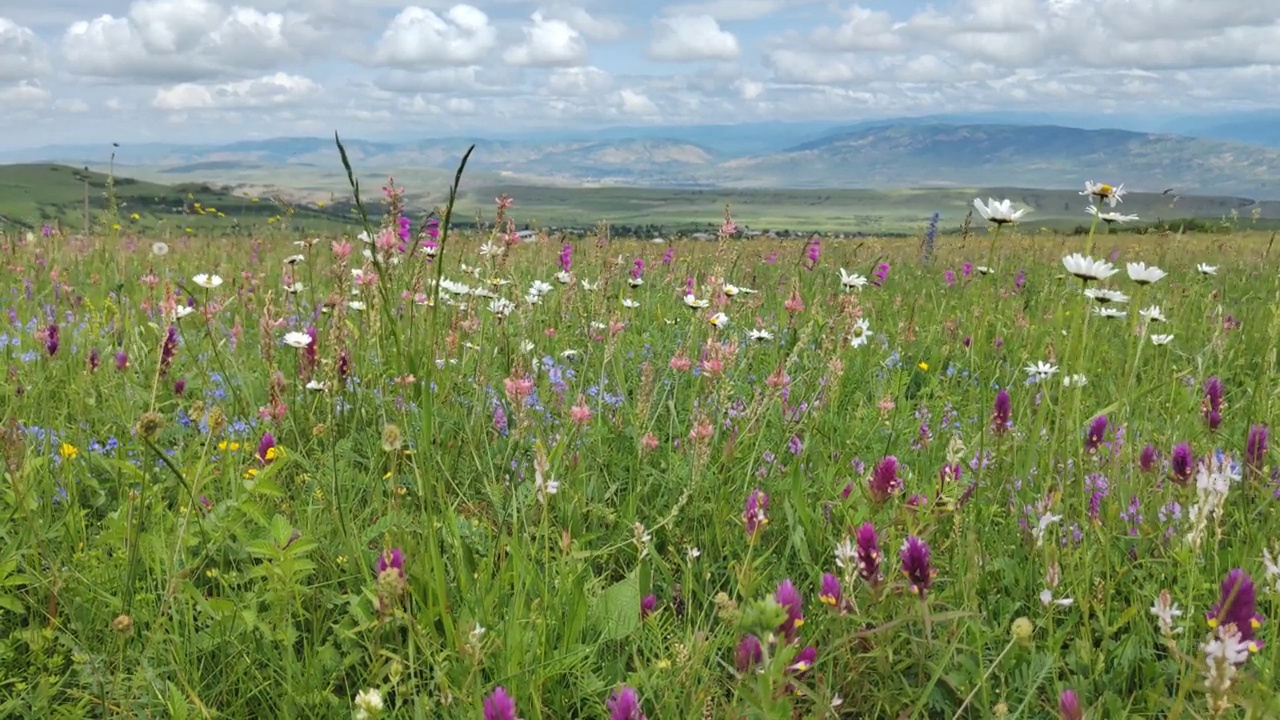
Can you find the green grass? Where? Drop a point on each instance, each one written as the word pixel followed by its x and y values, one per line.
pixel 157 560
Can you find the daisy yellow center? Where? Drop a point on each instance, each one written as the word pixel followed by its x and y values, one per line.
pixel 1105 190
pixel 857 332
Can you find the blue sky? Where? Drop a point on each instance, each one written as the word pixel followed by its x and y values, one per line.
pixel 217 70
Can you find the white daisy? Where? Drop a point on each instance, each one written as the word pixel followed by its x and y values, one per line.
pixel 1104 192
pixel 1144 274
pixel 1161 339
pixel 539 287
pixel 294 259
pixel 635 282
pixel 860 333
pixel 1041 370
pixel 501 307
pixel 1207 269
pixel 1076 380
pixel 852 281
pixel 692 301
pixel 718 320
pixel 999 212
pixel 356 304
pixel 630 304
pixel 731 290
pixel 297 339
pixel 182 311
pixel 563 277
pixel 590 286
pixel 491 250
pixel 1110 217
pixel 760 335
pixel 1152 314
pixel 1086 268
pixel 1107 312
pixel 207 281
pixel 1103 296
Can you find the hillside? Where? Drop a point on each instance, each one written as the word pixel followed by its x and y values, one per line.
pixel 34 194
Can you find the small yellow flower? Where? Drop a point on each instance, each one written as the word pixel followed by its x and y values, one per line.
pixel 274 452
pixel 135 217
pixel 251 472
pixel 68 451
pixel 115 226
pixel 923 366
pixel 341 559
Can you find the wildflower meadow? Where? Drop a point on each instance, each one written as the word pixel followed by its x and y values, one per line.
pixel 417 472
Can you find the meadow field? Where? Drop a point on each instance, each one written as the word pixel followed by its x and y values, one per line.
pixel 435 474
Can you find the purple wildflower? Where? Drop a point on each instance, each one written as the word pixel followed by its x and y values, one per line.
pixel 803 660
pixel 754 516
pixel 1181 463
pixel 179 386
pixel 1020 280
pixel 881 274
pixel 812 251
pixel 916 564
pixel 1211 407
pixel 669 255
pixel 122 361
pixel 637 269
pixel 1069 706
pixel 749 653
pixel 51 339
pixel 830 593
pixel 1147 460
pixel 403 227
pixel 95 359
pixel 1097 433
pixel 392 559
pixel 950 277
pixel 884 480
pixel 1255 451
pixel 868 553
pixel 566 257
pixel 168 349
pixel 1002 412
pixel 499 705
pixel 789 598
pixel 1237 606
pixel 624 705
pixel 648 605
pixel 266 448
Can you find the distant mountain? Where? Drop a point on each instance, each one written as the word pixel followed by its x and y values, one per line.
pixel 910 152
pixel 1026 156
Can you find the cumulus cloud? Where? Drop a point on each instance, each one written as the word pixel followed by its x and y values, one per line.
pixel 579 81
pixel 270 91
pixel 179 39
pixel 636 103
pixel 591 26
pixel 691 38
pixel 27 93
pixel 419 37
pixel 548 42
pixel 22 54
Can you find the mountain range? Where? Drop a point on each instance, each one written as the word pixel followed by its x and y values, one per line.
pixel 1236 154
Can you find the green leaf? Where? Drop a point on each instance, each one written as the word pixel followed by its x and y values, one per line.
pixel 616 613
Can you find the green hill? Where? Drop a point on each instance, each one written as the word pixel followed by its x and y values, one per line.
pixel 32 195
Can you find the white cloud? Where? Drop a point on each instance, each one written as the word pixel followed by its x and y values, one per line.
pixel 548 42
pixel 689 38
pixel 179 39
pixel 272 90
pixel 636 103
pixel 24 94
pixel 580 81
pixel 734 10
pixel 593 27
pixel 22 54
pixel 419 37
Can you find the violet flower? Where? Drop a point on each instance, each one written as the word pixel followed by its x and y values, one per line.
pixel 748 654
pixel 393 560
pixel 1147 459
pixel 499 705
pixel 1002 412
pixel 1181 463
pixel 1255 452
pixel 1237 606
pixel 51 339
pixel 789 598
pixel 1069 706
pixel 1211 407
pixel 755 516
pixel 648 605
pixel 884 480
pixel 830 593
pixel 1097 433
pixel 267 448
pixel 916 565
pixel 868 554
pixel 624 705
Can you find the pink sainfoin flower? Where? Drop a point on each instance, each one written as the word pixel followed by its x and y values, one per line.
pixel 499 705
pixel 625 705
pixel 649 442
pixel 794 304
pixel 884 481
pixel 680 362
pixel 566 257
pixel 812 252
pixel 341 250
pixel 916 565
pixel 755 516
pixel 580 413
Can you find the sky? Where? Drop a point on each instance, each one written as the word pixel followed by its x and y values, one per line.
pixel 194 71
